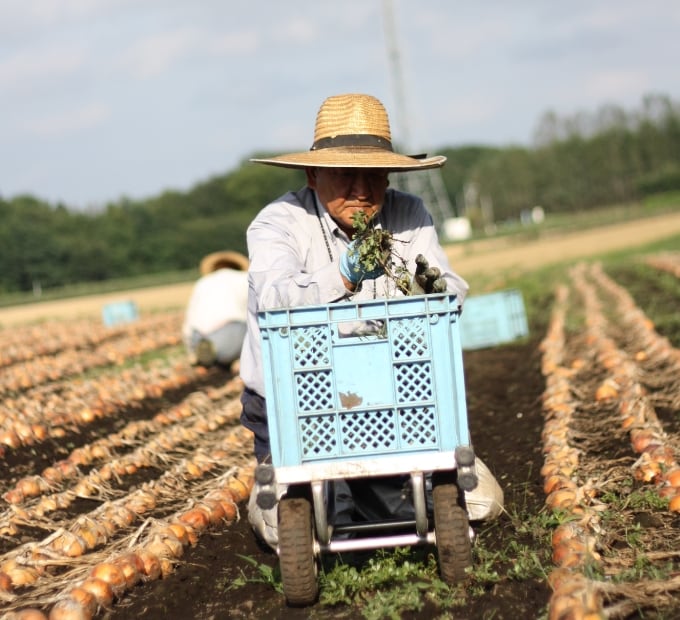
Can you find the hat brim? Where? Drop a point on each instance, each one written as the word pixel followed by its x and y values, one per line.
pixel 218 260
pixel 357 157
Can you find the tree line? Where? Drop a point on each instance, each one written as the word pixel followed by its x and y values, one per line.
pixel 612 156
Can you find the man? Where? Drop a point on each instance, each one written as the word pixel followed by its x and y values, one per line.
pixel 303 250
pixel 215 318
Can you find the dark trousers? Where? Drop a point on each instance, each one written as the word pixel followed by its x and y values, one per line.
pixel 364 499
pixel 254 418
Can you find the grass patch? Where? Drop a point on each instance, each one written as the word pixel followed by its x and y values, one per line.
pixel 393 582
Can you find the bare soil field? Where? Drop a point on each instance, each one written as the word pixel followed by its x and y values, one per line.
pixel 121 463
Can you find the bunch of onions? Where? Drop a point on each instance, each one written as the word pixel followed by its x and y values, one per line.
pixel 573 597
pixel 241 485
pixel 70 608
pixel 16 575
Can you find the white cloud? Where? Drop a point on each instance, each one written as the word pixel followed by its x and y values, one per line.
pixel 233 43
pixel 160 53
pixel 46 63
pixel 22 18
pixel 155 54
pixel 616 84
pixel 297 30
pixel 467 109
pixel 55 125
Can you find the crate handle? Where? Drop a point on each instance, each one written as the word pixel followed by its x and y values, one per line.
pixel 368 329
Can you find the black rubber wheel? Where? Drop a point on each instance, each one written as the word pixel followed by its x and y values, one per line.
pixel 296 552
pixel 452 532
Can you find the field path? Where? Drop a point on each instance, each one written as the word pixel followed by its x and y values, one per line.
pixel 507 253
pixel 481 257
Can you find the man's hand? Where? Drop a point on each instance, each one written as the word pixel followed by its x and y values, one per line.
pixel 355 268
pixel 427 279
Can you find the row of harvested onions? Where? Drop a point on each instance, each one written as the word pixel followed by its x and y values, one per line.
pixel 26 342
pixel 26 564
pixel 155 557
pixel 23 343
pixel 666 261
pixel 32 417
pixel 573 542
pixel 657 463
pixel 96 483
pixel 651 345
pixel 70 362
pixel 198 406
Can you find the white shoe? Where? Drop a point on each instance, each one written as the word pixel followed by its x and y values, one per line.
pixel 485 502
pixel 265 522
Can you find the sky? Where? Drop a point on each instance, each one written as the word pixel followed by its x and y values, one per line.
pixel 108 99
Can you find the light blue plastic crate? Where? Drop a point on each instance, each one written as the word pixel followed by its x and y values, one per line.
pixel 492 319
pixel 119 312
pixel 333 395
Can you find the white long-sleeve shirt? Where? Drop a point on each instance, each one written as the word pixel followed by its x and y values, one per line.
pixel 216 299
pixel 293 263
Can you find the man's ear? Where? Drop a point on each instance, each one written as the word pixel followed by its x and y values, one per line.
pixel 311 177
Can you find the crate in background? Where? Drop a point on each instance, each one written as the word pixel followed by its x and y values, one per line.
pixel 492 319
pixel 396 388
pixel 119 312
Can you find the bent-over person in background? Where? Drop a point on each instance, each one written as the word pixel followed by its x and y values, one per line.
pixel 215 319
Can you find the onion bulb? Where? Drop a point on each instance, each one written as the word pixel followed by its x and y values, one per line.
pixel 111 574
pixel 84 598
pixel 568 554
pixel 151 564
pixel 21 575
pixel 100 589
pixel 70 544
pixel 197 519
pixel 566 606
pixel 561 498
pixel 132 568
pixel 69 609
pixel 214 510
pixel 240 487
pixel 181 532
pixel 5 582
pixel 674 504
pixel 673 477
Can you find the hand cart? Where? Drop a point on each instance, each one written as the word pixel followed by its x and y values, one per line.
pixel 358 390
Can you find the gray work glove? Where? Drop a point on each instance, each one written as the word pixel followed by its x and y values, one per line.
pixel 427 279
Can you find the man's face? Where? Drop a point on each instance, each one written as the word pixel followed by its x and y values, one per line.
pixel 344 191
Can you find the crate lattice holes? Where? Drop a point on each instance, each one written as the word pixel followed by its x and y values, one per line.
pixel 357 380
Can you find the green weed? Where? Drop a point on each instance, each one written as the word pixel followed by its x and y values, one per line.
pixel 265 574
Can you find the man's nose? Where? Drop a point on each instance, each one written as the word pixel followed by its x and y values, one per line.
pixel 360 184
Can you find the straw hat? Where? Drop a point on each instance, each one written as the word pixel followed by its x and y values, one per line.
pixel 220 260
pixel 353 131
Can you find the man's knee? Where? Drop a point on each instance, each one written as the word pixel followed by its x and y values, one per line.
pixel 485 502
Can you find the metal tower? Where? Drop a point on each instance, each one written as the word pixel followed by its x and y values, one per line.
pixel 427 184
